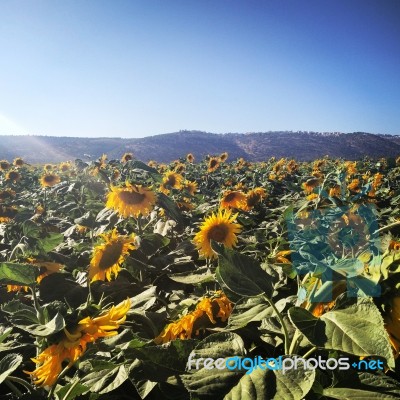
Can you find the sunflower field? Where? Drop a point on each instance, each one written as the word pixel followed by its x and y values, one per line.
pixel 200 279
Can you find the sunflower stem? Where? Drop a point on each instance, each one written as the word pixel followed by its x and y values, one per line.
pixel 13 388
pixel 279 315
pixel 21 381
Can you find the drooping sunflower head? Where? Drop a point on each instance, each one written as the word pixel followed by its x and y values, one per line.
pixel 7 213
pixel 49 180
pixel 13 176
pixel 233 199
pixel 127 157
pixel 131 200
pixel 109 255
pixel 335 191
pixel 310 184
pixel 254 197
pixel 213 164
pixel 219 227
pixel 4 165
pixel 190 158
pixel 223 157
pixel 18 162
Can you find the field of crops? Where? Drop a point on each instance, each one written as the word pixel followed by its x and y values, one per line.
pixel 201 279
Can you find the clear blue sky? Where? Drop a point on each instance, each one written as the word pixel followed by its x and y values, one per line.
pixel 142 67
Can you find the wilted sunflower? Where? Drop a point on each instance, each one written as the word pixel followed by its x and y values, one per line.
pixel 108 257
pixel 49 180
pixel 310 184
pixel 190 158
pixel 18 162
pixel 7 213
pixel 131 200
pixel 4 165
pixel 127 157
pixel 13 176
pixel 219 227
pixel 233 199
pixel 213 164
pixel 223 157
pixel 206 313
pixel 335 191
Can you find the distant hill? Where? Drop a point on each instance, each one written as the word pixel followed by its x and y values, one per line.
pixel 170 146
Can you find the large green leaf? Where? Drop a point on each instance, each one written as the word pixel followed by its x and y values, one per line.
pixel 105 380
pixel 8 365
pixel 170 208
pixel 55 325
pixel 292 384
pixel 241 274
pixel 358 330
pixel 17 274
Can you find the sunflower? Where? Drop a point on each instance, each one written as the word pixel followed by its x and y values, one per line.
pixel 65 166
pixel 219 227
pixel 126 157
pixel 48 167
pixel 310 184
pixel 206 313
pixel 131 200
pixel 179 168
pixel 354 185
pixel 213 164
pixel 223 157
pixel 46 268
pixel 185 205
pixel 73 344
pixel 152 164
pixel 108 257
pixel 7 213
pixel 18 162
pixel 254 197
pixel 4 165
pixel 190 158
pixel 335 191
pixel 49 180
pixel 171 180
pixel 233 199
pixel 190 187
pixel 13 176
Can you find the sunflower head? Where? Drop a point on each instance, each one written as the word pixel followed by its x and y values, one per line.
pixel 219 227
pixel 109 255
pixel 49 180
pixel 18 162
pixel 213 164
pixel 190 187
pixel 190 158
pixel 172 180
pixel 13 176
pixel 152 163
pixel 4 165
pixel 310 184
pixel 233 199
pixel 254 197
pixel 223 157
pixel 6 194
pixel 65 166
pixel 48 167
pixel 7 213
pixel 127 157
pixel 131 200
pixel 179 168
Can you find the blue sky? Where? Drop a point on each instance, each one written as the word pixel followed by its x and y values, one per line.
pixel 143 67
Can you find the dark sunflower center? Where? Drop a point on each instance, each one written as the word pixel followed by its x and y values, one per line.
pixel 171 180
pixel 230 197
pixel 4 165
pixel 49 178
pixel 132 197
pixel 13 175
pixel 218 233
pixel 253 200
pixel 213 163
pixel 110 255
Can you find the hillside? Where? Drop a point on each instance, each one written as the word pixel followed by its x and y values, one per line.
pixel 170 146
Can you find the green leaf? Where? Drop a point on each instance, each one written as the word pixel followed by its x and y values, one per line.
pixel 8 365
pixel 170 208
pixel 65 393
pixel 364 386
pixel 358 329
pixel 241 274
pixel 141 165
pixel 292 384
pixel 55 325
pixel 201 275
pixel 106 380
pixel 51 241
pixel 17 274
pixel 349 267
